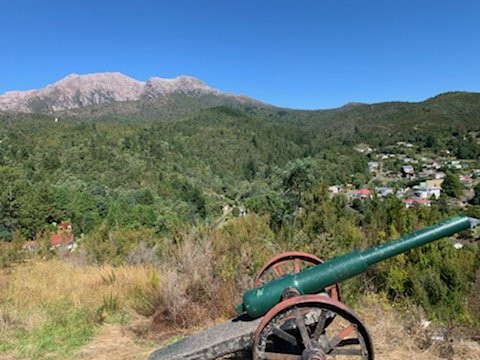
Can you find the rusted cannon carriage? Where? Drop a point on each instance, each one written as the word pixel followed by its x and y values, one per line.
pixel 294 310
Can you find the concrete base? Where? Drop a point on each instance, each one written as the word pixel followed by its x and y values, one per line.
pixel 227 338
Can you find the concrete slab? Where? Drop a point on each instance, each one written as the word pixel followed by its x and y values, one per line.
pixel 227 338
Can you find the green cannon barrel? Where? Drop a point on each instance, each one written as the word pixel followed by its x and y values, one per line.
pixel 257 301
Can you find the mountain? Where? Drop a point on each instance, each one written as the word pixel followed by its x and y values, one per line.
pixel 83 91
pixel 110 96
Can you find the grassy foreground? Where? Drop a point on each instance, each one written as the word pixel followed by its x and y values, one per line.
pixel 57 309
pixel 50 309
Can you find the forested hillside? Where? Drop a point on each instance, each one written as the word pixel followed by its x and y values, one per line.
pixel 162 174
pixel 136 185
pixel 164 171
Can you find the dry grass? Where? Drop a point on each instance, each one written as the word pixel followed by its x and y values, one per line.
pixel 131 304
pixel 399 337
pixel 50 308
pixel 31 286
pixel 182 293
pixel 192 293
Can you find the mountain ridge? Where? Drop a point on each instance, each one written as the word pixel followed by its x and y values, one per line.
pixel 80 91
pixel 115 94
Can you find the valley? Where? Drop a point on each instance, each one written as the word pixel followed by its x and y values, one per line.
pixel 156 214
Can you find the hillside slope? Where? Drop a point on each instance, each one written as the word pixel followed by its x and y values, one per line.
pixel 459 110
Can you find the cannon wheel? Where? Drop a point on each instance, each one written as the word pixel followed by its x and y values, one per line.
pixel 313 327
pixel 288 262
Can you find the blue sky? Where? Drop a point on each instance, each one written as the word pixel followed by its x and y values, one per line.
pixel 299 54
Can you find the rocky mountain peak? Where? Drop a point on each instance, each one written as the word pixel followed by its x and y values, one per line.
pixel 77 91
pixel 156 86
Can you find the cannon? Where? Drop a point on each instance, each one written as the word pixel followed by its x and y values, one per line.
pixel 294 310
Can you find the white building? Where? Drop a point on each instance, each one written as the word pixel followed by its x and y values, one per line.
pixel 423 191
pixel 333 189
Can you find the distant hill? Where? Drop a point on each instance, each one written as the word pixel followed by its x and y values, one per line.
pixel 83 91
pixel 114 96
pixel 452 109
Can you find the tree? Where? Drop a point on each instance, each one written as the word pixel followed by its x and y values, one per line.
pixel 298 178
pixel 468 148
pixel 476 197
pixel 452 185
pixel 431 141
pixel 250 169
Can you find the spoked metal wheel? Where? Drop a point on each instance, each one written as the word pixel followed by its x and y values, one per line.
pixel 312 327
pixel 291 262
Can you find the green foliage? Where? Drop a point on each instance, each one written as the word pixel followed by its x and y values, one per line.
pixel 452 185
pixel 133 184
pixel 476 197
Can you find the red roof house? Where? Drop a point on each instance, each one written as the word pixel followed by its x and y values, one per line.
pixel 363 192
pixel 63 237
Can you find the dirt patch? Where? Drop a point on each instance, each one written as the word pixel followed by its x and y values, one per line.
pixel 115 342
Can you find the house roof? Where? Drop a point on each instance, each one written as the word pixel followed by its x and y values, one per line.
pixel 418 201
pixel 59 239
pixel 363 192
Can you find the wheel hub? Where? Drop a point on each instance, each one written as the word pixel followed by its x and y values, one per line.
pixel 314 351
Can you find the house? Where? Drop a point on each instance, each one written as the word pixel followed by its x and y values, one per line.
pixel 361 194
pixel 466 180
pixel 426 191
pixel 411 202
pixel 363 148
pixel 436 183
pixel 333 190
pixel 63 241
pixel 455 164
pixel 64 237
pixel 408 171
pixel 426 173
pixel 384 191
pixel 431 164
pixel 439 175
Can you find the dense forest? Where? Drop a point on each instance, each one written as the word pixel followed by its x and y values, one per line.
pixel 134 181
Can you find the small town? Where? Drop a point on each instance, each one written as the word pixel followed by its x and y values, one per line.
pixel 414 177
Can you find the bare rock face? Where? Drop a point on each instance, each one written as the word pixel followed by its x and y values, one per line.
pixel 78 91
pixel 156 86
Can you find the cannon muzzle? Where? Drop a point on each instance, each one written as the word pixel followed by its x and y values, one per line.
pixel 257 301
